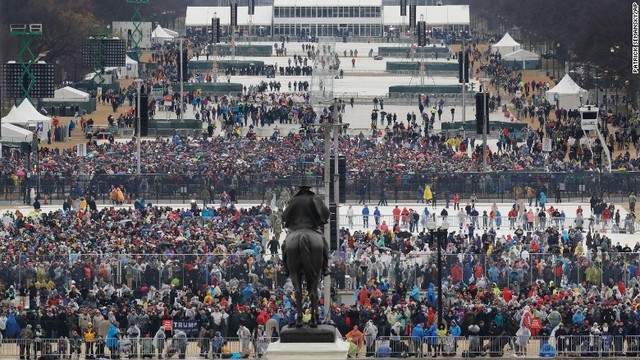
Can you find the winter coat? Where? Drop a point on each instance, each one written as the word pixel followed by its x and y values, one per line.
pixel 417 333
pixel 113 339
pixel 431 295
pixel 455 329
pixel 431 335
pixel 13 329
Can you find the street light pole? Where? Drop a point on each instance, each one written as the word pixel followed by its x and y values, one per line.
pixel 438 235
pixel 439 277
pixel 182 79
pixel 327 227
pixel 138 133
pixel 336 173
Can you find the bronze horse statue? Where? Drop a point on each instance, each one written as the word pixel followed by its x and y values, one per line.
pixel 303 253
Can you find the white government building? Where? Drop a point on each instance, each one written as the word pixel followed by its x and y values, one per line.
pixel 352 18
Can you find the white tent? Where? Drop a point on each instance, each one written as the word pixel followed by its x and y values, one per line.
pixel 522 56
pixel 68 93
pixel 130 70
pixel 15 117
pixel 567 94
pixel 36 120
pixel 160 35
pixel 15 134
pixel 505 46
pixel 171 32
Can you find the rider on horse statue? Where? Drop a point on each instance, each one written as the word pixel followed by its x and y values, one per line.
pixel 306 210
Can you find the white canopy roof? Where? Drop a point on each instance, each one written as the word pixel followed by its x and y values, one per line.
pixel 68 93
pixel 521 55
pixel 29 112
pixel 13 133
pixel 160 33
pixel 15 117
pixel 568 94
pixel 566 86
pixel 171 32
pixel 506 45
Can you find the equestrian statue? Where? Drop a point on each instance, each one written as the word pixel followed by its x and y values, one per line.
pixel 304 251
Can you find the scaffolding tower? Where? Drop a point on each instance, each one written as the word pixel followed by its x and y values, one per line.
pixel 98 54
pixel 136 34
pixel 26 32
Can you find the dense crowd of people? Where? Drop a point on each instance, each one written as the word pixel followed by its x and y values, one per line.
pixel 125 271
pixel 112 276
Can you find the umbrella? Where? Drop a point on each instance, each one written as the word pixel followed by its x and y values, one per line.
pixel 20 173
pixel 248 252
pixel 403 234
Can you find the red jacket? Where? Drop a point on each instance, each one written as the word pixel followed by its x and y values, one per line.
pixel 456 273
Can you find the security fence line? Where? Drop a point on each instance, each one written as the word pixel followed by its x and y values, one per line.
pixel 596 345
pixel 480 222
pixel 48 272
pixel 501 187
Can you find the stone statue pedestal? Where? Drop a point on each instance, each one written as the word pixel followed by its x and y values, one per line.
pixel 319 343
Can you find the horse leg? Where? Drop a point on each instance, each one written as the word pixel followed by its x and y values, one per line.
pixel 298 286
pixel 313 296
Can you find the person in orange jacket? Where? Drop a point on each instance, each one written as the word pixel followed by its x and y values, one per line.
pixel 356 336
pixel 396 214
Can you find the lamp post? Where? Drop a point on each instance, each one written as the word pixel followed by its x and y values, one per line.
pixel 138 142
pixel 439 235
pixel 615 86
pixel 605 101
pixel 595 82
pixel 627 100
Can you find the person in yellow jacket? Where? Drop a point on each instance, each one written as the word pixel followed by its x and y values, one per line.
pixel 208 299
pixel 428 195
pixel 83 204
pixel 89 339
pixel 442 332
pixel 496 291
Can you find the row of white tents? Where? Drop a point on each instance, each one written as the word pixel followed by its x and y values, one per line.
pixel 566 94
pixel 511 50
pixel 21 122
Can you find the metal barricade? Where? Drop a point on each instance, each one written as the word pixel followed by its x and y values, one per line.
pixel 145 347
pixel 61 271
